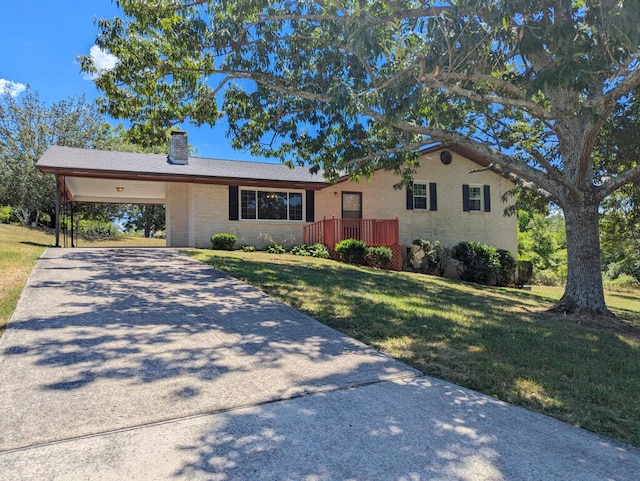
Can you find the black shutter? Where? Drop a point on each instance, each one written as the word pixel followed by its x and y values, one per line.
pixel 433 197
pixel 487 198
pixel 310 208
pixel 465 197
pixel 233 202
pixel 410 196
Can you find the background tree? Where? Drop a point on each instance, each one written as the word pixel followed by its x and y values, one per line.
pixel 360 85
pixel 27 127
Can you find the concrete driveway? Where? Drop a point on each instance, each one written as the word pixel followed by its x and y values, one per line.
pixel 144 364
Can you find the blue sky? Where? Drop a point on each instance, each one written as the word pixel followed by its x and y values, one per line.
pixel 39 43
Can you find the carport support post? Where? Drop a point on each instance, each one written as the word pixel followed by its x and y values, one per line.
pixel 57 210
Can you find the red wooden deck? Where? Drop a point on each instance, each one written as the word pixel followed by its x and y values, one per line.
pixel 373 232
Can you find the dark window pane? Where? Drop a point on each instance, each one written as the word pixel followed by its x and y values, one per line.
pixel 272 205
pixel 295 206
pixel 248 199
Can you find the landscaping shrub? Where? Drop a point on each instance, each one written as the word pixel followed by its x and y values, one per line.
pixel 5 213
pixel 379 257
pixel 622 283
pixel 546 278
pixel 352 251
pixel 477 262
pixel 98 229
pixel 505 273
pixel 275 249
pixel 429 257
pixel 247 248
pixel 524 272
pixel 224 242
pixel 315 250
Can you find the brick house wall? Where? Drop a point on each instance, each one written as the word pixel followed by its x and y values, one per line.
pixel 196 211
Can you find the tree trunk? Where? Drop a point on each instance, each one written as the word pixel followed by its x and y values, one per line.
pixel 584 293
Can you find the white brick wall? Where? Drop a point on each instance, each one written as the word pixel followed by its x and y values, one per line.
pixel 449 224
pixel 196 211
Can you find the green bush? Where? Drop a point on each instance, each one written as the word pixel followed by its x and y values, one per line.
pixel 5 213
pixel 546 277
pixel 432 257
pixel 622 283
pixel 379 257
pixel 223 242
pixel 524 272
pixel 315 250
pixel 98 228
pixel 247 248
pixel 352 251
pixel 275 249
pixel 477 262
pixel 505 274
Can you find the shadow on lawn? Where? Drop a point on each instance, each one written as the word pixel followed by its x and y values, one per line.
pixel 478 336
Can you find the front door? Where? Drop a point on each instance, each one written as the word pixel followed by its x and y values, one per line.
pixel 351 214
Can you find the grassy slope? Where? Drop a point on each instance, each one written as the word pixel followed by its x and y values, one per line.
pixel 21 247
pixel 493 340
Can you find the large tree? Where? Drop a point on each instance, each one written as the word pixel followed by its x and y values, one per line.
pixel 359 85
pixel 28 126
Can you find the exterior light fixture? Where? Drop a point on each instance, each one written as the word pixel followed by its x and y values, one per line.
pixel 119 189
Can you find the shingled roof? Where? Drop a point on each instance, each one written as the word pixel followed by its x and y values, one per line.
pixel 68 161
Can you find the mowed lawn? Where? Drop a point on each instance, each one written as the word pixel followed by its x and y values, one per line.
pixel 497 341
pixel 20 248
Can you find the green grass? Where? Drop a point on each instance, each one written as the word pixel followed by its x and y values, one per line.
pixel 20 248
pixel 493 340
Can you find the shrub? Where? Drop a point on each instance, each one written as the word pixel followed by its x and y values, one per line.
pixel 379 257
pixel 247 248
pixel 224 242
pixel 351 251
pixel 623 283
pixel 275 249
pixel 524 272
pixel 5 213
pixel 99 229
pixel 546 277
pixel 315 250
pixel 477 262
pixel 505 274
pixel 430 257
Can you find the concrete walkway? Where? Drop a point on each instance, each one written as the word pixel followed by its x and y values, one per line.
pixel 144 364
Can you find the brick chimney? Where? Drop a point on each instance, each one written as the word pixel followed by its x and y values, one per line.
pixel 178 148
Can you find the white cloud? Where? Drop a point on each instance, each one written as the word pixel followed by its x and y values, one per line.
pixel 102 60
pixel 12 88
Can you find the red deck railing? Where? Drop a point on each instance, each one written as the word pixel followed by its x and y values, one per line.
pixel 373 232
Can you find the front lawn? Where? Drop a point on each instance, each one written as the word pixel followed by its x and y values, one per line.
pixel 493 340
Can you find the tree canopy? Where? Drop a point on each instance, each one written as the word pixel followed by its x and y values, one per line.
pixel 27 128
pixel 360 85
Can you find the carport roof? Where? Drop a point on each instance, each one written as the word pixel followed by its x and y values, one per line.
pixel 86 175
pixel 68 161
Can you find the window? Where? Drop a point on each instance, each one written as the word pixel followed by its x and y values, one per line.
pixel 271 205
pixel 419 196
pixel 422 196
pixel 352 205
pixel 475 198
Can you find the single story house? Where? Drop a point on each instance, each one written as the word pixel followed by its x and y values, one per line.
pixel 263 203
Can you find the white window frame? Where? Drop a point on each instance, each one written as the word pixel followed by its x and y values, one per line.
pixel 426 195
pixel 479 199
pixel 259 189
